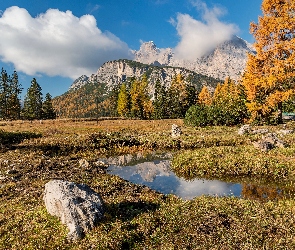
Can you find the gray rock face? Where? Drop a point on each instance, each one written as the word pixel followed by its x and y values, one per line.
pixel 76 205
pixel 227 59
pixel 175 131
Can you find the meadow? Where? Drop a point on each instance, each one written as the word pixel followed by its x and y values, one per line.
pixel 32 153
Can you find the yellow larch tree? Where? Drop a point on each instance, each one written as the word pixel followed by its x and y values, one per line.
pixel 205 97
pixel 269 76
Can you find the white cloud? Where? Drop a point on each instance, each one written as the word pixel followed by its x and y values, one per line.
pixel 198 38
pixel 56 43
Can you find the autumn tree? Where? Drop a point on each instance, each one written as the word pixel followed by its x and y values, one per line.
pixel 270 73
pixel 123 107
pixel 205 97
pixel 141 104
pixel 33 102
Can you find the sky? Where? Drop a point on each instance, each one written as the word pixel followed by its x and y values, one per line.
pixel 57 41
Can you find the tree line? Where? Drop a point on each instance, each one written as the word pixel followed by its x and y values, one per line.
pixel 34 107
pixel 134 99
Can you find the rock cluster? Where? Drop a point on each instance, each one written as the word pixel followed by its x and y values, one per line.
pixel 76 205
pixel 268 142
pixel 175 131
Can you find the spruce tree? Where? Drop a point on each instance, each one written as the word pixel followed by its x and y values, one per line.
pixel 47 108
pixel 160 102
pixel 33 102
pixel 14 98
pixel 4 93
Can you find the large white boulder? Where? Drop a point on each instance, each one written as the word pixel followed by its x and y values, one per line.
pixel 76 205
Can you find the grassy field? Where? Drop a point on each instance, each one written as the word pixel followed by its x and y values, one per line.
pixel 137 217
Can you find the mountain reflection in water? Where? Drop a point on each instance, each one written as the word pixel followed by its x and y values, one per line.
pixel 155 173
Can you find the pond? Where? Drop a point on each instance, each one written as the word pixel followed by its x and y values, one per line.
pixel 154 171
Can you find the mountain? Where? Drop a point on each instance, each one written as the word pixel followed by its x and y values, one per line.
pixel 115 72
pixel 227 59
pixel 85 92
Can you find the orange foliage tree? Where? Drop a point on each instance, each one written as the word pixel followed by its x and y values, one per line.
pixel 269 74
pixel 205 97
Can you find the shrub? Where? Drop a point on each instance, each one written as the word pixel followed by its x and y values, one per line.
pixel 197 115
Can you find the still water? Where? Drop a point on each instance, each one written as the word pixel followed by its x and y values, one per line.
pixel 154 171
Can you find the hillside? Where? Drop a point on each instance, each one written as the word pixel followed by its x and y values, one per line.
pixel 80 100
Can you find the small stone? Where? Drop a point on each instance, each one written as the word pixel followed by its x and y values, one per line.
pixel 175 131
pixel 263 145
pixel 11 171
pixel 83 163
pixel 245 129
pixel 260 131
pixel 285 131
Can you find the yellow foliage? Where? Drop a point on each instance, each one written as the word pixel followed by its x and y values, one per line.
pixel 267 73
pixel 205 96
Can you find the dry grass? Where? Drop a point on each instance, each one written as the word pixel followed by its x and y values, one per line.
pixel 136 216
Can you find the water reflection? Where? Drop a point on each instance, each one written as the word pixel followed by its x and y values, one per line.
pixel 154 171
pixel 157 175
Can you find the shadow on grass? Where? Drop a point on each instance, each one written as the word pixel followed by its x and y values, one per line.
pixel 10 138
pixel 126 211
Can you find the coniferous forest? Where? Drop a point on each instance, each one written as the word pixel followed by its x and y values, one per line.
pixel 34 107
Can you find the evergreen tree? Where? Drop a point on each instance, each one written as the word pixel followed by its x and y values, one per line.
pixel 4 93
pixel 13 97
pixel 160 102
pixel 269 77
pixel 47 109
pixel 33 102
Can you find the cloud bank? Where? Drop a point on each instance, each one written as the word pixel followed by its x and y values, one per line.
pixel 198 38
pixel 56 43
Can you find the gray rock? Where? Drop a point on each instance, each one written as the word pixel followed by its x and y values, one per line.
pixel 285 131
pixel 76 205
pixel 272 138
pixel 269 142
pixel 176 131
pixel 260 131
pixel 245 129
pixel 263 145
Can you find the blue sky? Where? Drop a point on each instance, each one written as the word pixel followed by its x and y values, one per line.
pixel 55 41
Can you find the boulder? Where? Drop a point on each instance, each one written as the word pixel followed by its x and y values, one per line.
pixel 76 205
pixel 245 129
pixel 272 138
pixel 176 131
pixel 269 142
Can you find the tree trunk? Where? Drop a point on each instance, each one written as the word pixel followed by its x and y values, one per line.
pixel 280 113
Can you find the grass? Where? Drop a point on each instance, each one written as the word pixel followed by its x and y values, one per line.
pixel 137 217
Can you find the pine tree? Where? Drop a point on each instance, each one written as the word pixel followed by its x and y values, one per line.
pixel 269 77
pixel 14 98
pixel 33 102
pixel 47 109
pixel 4 93
pixel 160 102
pixel 123 106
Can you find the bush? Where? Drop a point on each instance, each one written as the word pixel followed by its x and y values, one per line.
pixel 197 115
